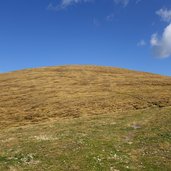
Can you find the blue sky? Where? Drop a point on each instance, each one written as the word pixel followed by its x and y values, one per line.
pixel 133 34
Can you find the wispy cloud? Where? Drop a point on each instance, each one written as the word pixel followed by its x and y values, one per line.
pixel 165 14
pixel 138 1
pixel 141 43
pixel 154 39
pixel 122 2
pixel 66 3
pixel 96 22
pixel 162 45
pixel 63 4
pixel 110 17
pixel 53 7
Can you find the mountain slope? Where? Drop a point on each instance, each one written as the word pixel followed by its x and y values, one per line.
pixel 84 118
pixel 37 94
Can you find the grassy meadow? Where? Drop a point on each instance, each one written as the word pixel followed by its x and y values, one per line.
pixel 84 118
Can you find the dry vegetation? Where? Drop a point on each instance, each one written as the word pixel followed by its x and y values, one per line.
pixel 74 91
pixel 86 118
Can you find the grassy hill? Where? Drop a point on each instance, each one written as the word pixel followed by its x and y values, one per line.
pixel 84 118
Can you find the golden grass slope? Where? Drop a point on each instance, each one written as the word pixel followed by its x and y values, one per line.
pixel 34 95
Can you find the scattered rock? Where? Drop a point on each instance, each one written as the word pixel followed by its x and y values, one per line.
pixel 136 126
pixel 44 138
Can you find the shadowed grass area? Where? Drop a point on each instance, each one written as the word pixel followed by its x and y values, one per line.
pixel 84 118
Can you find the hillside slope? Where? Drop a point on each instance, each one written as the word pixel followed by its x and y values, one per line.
pixel 84 118
pixel 73 91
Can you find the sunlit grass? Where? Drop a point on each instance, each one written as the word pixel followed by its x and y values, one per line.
pixel 84 118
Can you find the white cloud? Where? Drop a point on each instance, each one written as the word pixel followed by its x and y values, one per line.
pixel 162 46
pixel 154 40
pixel 141 43
pixel 122 2
pixel 66 3
pixel 165 14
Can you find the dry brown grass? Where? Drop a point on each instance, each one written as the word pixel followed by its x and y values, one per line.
pixel 33 95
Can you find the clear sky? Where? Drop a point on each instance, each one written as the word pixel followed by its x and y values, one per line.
pixel 133 34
